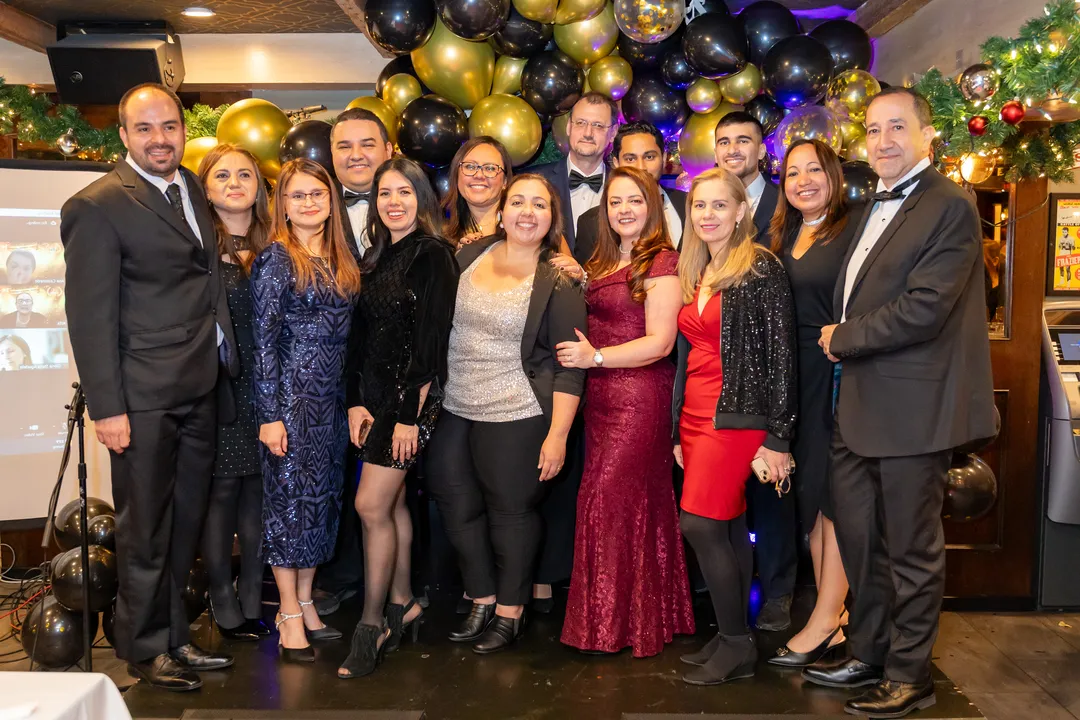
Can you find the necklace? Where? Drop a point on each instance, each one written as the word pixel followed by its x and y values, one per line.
pixel 813 223
pixel 625 252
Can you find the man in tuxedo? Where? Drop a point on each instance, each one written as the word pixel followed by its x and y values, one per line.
pixel 638 145
pixel 359 144
pixel 916 383
pixel 740 148
pixel 579 177
pixel 150 328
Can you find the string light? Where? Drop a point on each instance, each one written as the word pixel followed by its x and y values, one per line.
pixel 1013 53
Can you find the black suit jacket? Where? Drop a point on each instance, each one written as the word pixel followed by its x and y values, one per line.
pixel 916 354
pixel 765 209
pixel 588 225
pixel 144 297
pixel 556 308
pixel 558 174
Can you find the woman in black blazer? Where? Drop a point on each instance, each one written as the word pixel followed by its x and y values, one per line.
pixel 508 407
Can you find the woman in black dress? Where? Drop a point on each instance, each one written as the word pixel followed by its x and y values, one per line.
pixel 811 232
pixel 396 370
pixel 241 215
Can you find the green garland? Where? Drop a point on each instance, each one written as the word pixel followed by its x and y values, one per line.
pixel 202 120
pixel 35 118
pixel 1041 63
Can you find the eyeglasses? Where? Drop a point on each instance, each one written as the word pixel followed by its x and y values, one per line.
pixel 490 170
pixel 317 196
pixel 597 126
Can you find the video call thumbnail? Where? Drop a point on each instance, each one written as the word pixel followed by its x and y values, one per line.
pixel 33 350
pixel 32 307
pixel 31 264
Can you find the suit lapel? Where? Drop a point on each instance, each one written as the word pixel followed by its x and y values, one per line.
pixel 151 198
pixel 543 286
pixel 562 182
pixel 838 289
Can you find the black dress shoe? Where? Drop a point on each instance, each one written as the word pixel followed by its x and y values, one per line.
pixel 195 658
pixel 501 634
pixel 242 632
pixel 734 659
pixel 544 606
pixel 786 657
pixel 889 699
pixel 165 673
pixel 775 615
pixel 258 626
pixel 702 656
pixel 851 673
pixel 475 624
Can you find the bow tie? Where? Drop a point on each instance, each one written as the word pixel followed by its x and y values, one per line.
pixel 595 182
pixel 896 193
pixel 351 198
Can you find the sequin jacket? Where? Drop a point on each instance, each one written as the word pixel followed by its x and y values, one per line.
pixel 757 350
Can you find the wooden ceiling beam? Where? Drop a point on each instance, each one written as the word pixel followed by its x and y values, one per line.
pixel 878 17
pixel 25 30
pixel 354 9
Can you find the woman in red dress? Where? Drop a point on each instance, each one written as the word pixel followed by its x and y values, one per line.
pixel 734 402
pixel 629 584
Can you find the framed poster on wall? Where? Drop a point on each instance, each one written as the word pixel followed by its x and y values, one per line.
pixel 1063 252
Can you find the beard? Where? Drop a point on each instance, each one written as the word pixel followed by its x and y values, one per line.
pixel 161 168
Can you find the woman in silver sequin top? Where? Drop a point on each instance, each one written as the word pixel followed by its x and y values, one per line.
pixel 508 408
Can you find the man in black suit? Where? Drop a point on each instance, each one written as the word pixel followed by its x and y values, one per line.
pixel 579 177
pixel 740 148
pixel 150 327
pixel 638 145
pixel 916 383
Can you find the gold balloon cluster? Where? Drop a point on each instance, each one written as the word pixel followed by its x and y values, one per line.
pixel 195 150
pixel 511 121
pixel 696 143
pixel 850 93
pixel 587 41
pixel 508 75
pixel 382 110
pixel 560 13
pixel 400 90
pixel 257 126
pixel 704 95
pixel 460 70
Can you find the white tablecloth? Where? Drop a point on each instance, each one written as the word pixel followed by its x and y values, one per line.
pixel 60 696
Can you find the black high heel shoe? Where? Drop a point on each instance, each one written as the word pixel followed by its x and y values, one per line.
pixel 293 655
pixel 395 618
pixel 501 634
pixel 786 657
pixel 245 632
pixel 472 627
pixel 734 659
pixel 325 632
pixel 365 652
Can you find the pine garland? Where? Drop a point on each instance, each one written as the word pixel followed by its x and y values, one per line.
pixel 34 118
pixel 202 120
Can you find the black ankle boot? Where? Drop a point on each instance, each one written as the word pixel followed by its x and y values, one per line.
pixel 473 626
pixel 501 634
pixel 734 659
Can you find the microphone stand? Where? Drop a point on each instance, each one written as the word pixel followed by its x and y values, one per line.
pixel 76 410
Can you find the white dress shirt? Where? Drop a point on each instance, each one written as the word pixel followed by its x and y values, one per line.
pixel 754 191
pixel 671 217
pixel 582 197
pixel 358 219
pixel 880 216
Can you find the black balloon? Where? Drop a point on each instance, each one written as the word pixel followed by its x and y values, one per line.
pixel 68 523
pixel 398 65
pixel 310 140
pixel 796 71
pixel 400 26
pixel 766 112
pixel 715 46
pixel 521 37
pixel 551 82
pixel 848 44
pixel 676 72
pixel 52 635
pixel 765 23
pixel 101 530
pixel 431 129
pixel 67 579
pixel 194 594
pixel 971 490
pixel 108 624
pixel 474 19
pixel 440 179
pixel 646 57
pixel 650 100
pixel 860 181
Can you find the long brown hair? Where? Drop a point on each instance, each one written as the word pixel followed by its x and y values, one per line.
pixel 654 236
pixel 553 239
pixel 340 259
pixel 786 216
pixel 258 234
pixel 459 220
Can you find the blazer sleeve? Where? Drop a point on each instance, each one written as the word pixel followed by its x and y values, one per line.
pixel 682 354
pixel 433 277
pixel 270 282
pixel 566 312
pixel 93 256
pixel 933 286
pixel 780 357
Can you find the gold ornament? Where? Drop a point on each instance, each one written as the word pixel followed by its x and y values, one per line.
pixel 572 11
pixel 460 70
pixel 508 75
pixel 382 110
pixel 856 149
pixel 587 41
pixel 703 95
pixel 850 92
pixel 696 144
pixel 400 90
pixel 195 150
pixel 649 21
pixel 560 133
pixel 976 168
pixel 611 76
pixel 257 126
pixel 511 121
pixel 67 143
pixel 542 11
pixel 742 87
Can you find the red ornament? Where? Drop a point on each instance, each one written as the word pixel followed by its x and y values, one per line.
pixel 977 125
pixel 1012 112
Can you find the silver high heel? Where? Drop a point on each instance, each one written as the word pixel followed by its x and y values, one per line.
pixel 293 655
pixel 325 632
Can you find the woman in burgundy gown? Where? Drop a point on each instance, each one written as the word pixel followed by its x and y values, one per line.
pixel 629 584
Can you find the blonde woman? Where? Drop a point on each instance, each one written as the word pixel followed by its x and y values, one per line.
pixel 734 402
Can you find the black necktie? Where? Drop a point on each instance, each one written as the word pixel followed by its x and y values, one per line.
pixel 173 194
pixel 897 193
pixel 351 198
pixel 595 182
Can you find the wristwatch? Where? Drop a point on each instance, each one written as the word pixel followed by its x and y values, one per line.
pixel 598 358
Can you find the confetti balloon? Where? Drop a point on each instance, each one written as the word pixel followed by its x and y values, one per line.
pixel 649 21
pixel 811 123
pixel 850 92
pixel 978 83
pixel 742 87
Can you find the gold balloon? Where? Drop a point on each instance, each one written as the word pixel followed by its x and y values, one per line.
pixel 572 11
pixel 560 133
pixel 696 142
pixel 611 76
pixel 542 11
pixel 400 90
pixel 742 87
pixel 257 126
pixel 649 21
pixel 381 109
pixel 856 150
pixel 511 121
pixel 589 40
pixel 508 75
pixel 851 130
pixel 703 95
pixel 195 150
pixel 850 92
pixel 458 69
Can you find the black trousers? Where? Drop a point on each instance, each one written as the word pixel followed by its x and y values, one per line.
pixel 484 479
pixel 559 511
pixel 235 510
pixel 161 485
pixel 888 527
pixel 773 520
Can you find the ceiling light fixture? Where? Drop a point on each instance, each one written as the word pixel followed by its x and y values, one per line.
pixel 198 12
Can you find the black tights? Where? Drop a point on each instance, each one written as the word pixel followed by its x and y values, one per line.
pixel 726 559
pixel 380 501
